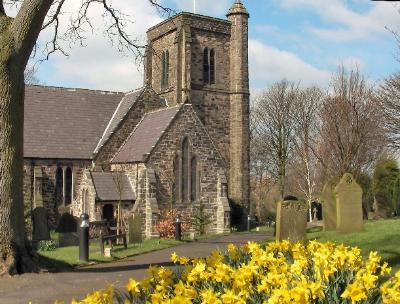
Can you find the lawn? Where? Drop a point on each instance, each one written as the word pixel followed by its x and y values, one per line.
pixel 382 236
pixel 65 258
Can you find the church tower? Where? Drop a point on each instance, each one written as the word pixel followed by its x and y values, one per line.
pixel 203 61
pixel 239 174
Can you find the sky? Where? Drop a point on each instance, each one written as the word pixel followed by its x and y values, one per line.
pixel 299 40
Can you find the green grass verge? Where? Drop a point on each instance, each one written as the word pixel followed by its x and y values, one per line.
pixel 66 258
pixel 381 236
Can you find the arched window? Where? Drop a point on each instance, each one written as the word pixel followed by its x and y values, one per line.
pixel 59 186
pixel 68 186
pixel 209 66
pixel 206 67
pixel 193 179
pixel 212 66
pixel 175 186
pixel 165 69
pixel 185 170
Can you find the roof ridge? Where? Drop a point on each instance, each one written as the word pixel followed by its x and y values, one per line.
pixel 142 89
pixel 134 90
pixel 74 89
pixel 106 128
pixel 163 109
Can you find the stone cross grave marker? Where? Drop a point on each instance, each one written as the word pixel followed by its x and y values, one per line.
pixel 328 201
pixel 291 220
pixel 135 229
pixel 40 225
pixel 349 205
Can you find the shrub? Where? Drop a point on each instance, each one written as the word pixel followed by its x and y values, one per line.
pixel 277 273
pixel 200 219
pixel 49 245
pixel 166 225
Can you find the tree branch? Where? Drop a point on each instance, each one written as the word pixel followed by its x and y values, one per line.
pixel 54 17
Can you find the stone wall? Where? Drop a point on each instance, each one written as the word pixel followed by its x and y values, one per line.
pixel 223 107
pixel 46 195
pixel 210 163
pixel 161 44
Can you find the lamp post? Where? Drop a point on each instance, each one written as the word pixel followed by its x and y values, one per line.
pixel 248 222
pixel 178 229
pixel 84 238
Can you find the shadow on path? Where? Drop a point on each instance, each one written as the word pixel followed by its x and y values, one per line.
pixel 120 268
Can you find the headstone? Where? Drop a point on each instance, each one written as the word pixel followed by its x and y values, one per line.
pixel 40 225
pixel 107 252
pixel 315 214
pixel 328 201
pixel 291 220
pixel 134 229
pixel 67 223
pixel 349 205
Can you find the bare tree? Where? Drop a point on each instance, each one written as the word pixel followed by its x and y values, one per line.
pixel 352 133
pixel 18 36
pixel 274 128
pixel 120 182
pixel 305 167
pixel 30 75
pixel 389 95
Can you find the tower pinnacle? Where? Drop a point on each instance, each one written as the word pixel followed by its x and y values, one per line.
pixel 238 8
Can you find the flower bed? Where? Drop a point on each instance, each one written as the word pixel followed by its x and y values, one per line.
pixel 277 273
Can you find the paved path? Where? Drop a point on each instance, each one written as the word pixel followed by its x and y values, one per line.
pixel 47 287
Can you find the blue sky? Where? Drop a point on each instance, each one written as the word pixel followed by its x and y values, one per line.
pixel 300 40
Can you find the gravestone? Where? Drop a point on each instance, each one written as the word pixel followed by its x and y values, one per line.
pixel 67 223
pixel 134 229
pixel 328 201
pixel 67 228
pixel 349 205
pixel 40 224
pixel 291 220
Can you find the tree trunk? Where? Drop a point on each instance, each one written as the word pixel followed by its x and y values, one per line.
pixel 15 253
pixel 17 38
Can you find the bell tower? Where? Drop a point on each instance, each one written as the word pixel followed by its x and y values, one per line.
pixel 239 171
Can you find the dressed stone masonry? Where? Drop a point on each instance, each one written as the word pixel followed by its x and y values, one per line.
pixel 179 141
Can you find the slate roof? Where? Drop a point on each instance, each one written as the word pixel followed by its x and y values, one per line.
pixel 65 123
pixel 122 109
pixel 106 187
pixel 145 136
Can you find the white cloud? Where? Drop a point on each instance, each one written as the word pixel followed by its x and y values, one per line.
pixel 205 7
pixel 269 64
pixel 351 63
pixel 267 29
pixel 98 65
pixel 349 24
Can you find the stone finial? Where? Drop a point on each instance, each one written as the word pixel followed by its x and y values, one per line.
pixel 238 8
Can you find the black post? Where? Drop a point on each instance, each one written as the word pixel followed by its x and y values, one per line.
pixel 248 223
pixel 84 238
pixel 178 229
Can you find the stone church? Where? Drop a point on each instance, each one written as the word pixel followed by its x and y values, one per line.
pixel 181 139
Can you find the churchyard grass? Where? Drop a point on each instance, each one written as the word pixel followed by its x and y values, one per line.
pixel 382 236
pixel 66 257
